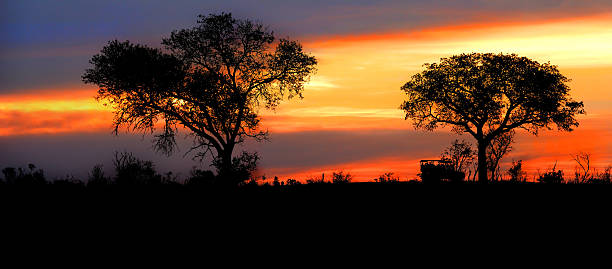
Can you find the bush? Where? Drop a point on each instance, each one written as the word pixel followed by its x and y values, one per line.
pixel 22 176
pixel 516 172
pixel 68 181
pixel 200 177
pixel 243 167
pixel 97 177
pixel 341 178
pixel 601 178
pixel 551 177
pixel 293 182
pixel 386 178
pixel 133 171
pixel 432 172
pixel 315 180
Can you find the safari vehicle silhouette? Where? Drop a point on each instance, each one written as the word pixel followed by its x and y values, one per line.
pixel 436 171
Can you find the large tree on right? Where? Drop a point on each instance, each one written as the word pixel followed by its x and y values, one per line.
pixel 488 95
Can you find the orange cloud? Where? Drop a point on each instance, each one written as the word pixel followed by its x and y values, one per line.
pixel 473 30
pixel 50 111
pixel 53 122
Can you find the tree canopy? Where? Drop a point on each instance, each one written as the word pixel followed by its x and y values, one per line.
pixel 487 95
pixel 210 79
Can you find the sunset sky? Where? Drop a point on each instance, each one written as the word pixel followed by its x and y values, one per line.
pixel 349 118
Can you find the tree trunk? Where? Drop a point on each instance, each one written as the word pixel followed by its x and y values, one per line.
pixel 224 163
pixel 482 161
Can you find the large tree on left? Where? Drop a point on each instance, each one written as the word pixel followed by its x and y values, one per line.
pixel 210 79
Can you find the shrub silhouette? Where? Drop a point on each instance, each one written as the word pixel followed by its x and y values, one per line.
pixel 97 177
pixel 10 175
pixel 21 176
pixel 243 167
pixel 434 171
pixel 200 177
pixel 582 172
pixel 276 182
pixel 460 153
pixel 551 177
pixel 516 172
pixel 317 180
pixel 133 171
pixel 337 178
pixel 386 178
pixel 341 178
pixel 293 182
pixel 497 149
pixel 601 178
pixel 69 182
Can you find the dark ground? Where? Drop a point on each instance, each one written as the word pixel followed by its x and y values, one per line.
pixel 402 198
pixel 319 219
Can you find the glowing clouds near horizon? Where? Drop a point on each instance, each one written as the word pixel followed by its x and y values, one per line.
pixel 364 72
pixel 52 112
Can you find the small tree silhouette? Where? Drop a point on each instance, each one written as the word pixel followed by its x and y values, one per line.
pixel 341 177
pixel 97 177
pixel 10 175
pixel 133 171
pixel 200 177
pixel 552 177
pixel 26 177
pixel 293 182
pixel 583 169
pixel 460 153
pixel 516 172
pixel 498 148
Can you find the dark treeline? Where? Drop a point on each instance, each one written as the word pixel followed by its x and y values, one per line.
pixel 130 172
pixel 136 191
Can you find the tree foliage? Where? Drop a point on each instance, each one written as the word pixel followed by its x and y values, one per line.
pixel 210 79
pixel 487 95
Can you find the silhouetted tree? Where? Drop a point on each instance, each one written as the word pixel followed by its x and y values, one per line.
pixel 460 153
pixel 10 174
pixel 242 167
pixel 487 95
pixel 341 177
pixel 97 177
pixel 211 80
pixel 552 177
pixel 200 177
pixel 21 176
pixel 133 171
pixel 583 169
pixel 516 172
pixel 293 182
pixel 604 177
pixel 498 148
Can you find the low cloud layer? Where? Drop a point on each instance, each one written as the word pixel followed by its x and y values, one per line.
pixel 293 153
